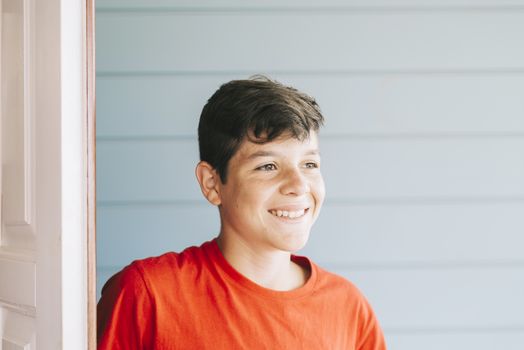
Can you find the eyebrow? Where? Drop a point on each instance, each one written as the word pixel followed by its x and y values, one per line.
pixel 257 154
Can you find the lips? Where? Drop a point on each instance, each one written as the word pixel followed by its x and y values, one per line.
pixel 291 214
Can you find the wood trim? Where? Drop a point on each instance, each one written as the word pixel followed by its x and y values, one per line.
pixel 91 174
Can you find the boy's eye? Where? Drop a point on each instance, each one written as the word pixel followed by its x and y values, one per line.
pixel 267 167
pixel 311 165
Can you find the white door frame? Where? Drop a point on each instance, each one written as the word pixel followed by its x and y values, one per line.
pixel 47 248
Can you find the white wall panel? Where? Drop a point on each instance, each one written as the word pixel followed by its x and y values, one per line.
pixel 298 4
pixel 388 104
pixel 457 340
pixel 160 170
pixel 444 298
pixel 369 169
pixel 337 41
pixel 417 235
pixel 421 167
pixel 164 228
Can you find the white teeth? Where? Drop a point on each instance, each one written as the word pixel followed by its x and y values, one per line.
pixel 289 214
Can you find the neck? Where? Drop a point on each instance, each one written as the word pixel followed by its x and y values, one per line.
pixel 270 269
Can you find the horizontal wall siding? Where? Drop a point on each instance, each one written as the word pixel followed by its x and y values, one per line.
pixel 418 235
pixel 453 339
pixel 357 41
pixel 354 104
pixel 165 227
pixel 422 152
pixel 119 5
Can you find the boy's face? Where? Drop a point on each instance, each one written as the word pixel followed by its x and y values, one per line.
pixel 273 193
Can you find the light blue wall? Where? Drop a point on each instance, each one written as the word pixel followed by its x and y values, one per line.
pixel 423 150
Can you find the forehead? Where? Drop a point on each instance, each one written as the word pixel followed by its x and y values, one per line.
pixel 283 146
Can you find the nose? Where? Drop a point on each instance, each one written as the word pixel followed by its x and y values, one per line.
pixel 294 183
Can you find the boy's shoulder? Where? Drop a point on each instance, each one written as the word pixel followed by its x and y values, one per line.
pixel 171 260
pixel 146 272
pixel 337 285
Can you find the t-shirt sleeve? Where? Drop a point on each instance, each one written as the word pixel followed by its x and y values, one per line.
pixel 371 336
pixel 124 312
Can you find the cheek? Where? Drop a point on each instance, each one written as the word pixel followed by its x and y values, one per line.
pixel 246 198
pixel 319 189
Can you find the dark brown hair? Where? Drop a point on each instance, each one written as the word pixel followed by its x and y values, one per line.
pixel 257 109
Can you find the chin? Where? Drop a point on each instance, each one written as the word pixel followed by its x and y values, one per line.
pixel 295 243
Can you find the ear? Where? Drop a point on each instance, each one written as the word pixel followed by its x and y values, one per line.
pixel 209 181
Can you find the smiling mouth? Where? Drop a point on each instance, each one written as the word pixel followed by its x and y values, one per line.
pixel 291 214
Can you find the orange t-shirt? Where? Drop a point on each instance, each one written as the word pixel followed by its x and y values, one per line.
pixel 196 300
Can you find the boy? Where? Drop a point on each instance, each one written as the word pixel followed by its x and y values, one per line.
pixel 260 165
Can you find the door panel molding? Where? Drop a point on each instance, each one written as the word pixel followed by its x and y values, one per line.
pixel 18 161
